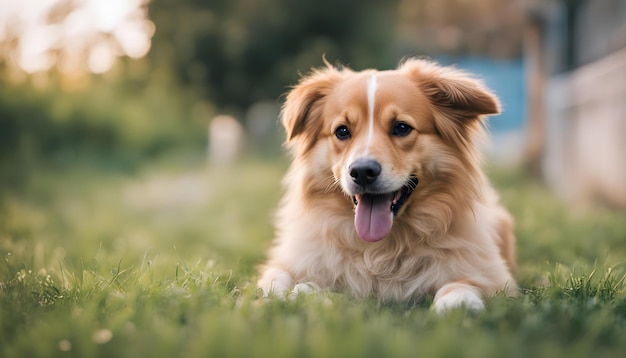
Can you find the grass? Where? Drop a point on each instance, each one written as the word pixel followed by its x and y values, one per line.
pixel 160 262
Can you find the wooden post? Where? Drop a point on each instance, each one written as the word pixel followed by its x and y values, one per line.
pixel 535 74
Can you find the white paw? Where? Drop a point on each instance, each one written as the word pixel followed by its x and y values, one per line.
pixel 275 282
pixel 456 295
pixel 304 288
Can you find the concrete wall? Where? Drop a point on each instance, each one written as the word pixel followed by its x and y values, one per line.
pixel 584 154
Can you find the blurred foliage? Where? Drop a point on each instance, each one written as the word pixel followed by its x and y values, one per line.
pixel 124 119
pixel 240 51
pixel 224 56
pixel 488 28
pixel 237 52
pixel 205 55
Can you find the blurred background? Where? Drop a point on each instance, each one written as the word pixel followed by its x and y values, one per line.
pixel 141 162
pixel 120 83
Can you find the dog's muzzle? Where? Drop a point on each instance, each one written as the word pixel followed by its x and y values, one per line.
pixel 375 209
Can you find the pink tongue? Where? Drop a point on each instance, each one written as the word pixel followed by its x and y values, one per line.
pixel 373 217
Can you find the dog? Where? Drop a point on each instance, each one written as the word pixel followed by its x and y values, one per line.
pixel 385 196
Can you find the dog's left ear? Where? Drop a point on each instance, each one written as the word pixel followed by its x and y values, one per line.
pixel 459 101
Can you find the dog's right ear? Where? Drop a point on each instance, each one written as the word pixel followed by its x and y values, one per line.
pixel 302 111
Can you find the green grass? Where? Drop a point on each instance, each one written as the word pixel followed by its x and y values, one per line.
pixel 160 262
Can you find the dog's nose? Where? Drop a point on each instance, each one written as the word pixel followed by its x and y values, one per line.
pixel 364 171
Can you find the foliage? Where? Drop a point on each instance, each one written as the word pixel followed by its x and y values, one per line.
pixel 238 52
pixel 120 120
pixel 161 262
pixel 208 57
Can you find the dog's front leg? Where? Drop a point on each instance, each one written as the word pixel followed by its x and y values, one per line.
pixel 304 288
pixel 275 282
pixel 279 283
pixel 458 294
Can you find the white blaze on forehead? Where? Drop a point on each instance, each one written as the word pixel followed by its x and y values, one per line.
pixel 372 85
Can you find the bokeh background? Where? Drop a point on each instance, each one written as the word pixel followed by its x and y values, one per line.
pixel 141 159
pixel 125 81
pixel 92 87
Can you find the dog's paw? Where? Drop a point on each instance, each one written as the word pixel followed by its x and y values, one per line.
pixel 456 295
pixel 275 282
pixel 304 288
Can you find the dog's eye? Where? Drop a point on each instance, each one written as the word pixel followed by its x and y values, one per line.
pixel 401 129
pixel 342 133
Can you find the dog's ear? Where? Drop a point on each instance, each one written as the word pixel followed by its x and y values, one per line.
pixel 459 101
pixel 303 107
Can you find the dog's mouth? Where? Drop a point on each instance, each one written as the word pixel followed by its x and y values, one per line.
pixel 374 212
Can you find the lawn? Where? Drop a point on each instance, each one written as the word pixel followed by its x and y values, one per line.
pixel 159 261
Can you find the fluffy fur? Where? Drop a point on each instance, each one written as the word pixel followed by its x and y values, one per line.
pixel 450 239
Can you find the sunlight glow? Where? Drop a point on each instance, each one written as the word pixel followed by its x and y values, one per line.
pixel 73 35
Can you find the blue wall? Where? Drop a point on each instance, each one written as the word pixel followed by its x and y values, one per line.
pixel 506 78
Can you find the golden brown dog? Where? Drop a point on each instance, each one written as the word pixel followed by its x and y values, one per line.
pixel 385 196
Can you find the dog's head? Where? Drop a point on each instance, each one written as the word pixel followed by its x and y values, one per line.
pixel 381 133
